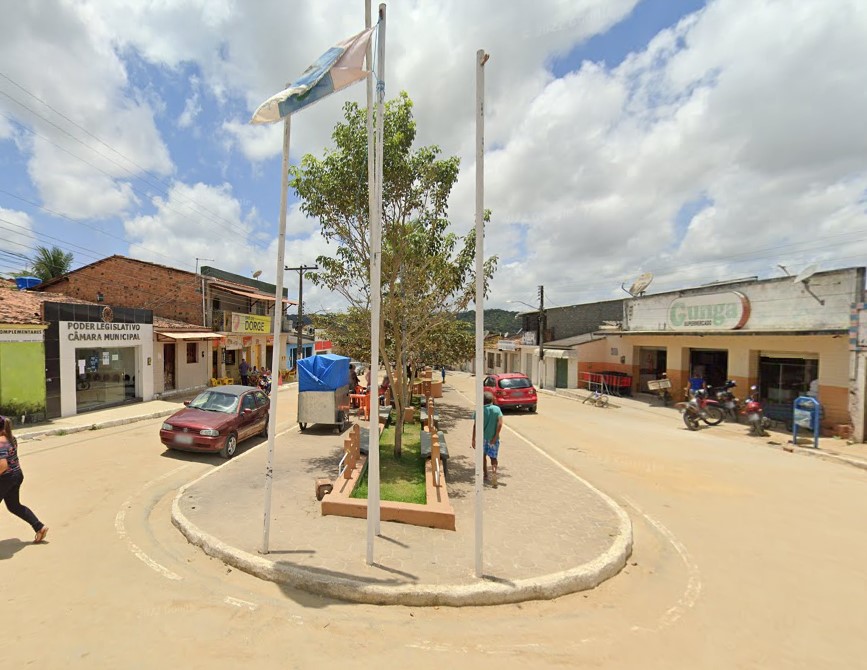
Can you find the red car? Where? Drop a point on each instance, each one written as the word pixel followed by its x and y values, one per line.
pixel 511 390
pixel 217 420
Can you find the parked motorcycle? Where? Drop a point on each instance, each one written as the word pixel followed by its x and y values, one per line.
pixel 701 408
pixel 265 383
pixel 756 418
pixel 727 400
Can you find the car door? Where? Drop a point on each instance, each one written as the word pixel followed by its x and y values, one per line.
pixel 261 410
pixel 247 420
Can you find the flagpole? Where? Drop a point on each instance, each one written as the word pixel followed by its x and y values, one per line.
pixel 278 323
pixel 376 297
pixel 481 59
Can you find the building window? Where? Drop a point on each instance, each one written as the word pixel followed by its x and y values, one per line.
pixel 191 352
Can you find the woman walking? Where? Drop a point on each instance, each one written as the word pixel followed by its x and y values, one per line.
pixel 11 479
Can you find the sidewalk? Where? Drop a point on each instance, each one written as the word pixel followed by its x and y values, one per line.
pixel 546 531
pixel 830 448
pixel 106 418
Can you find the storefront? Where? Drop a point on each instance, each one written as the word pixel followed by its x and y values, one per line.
pixel 251 339
pixel 779 334
pixel 183 360
pixel 96 357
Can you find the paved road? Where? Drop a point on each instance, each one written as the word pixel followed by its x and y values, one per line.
pixel 745 556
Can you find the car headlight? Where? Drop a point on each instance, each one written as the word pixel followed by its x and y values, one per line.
pixel 168 426
pixel 209 432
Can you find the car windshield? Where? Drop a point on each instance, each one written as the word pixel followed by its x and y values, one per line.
pixel 214 401
pixel 515 383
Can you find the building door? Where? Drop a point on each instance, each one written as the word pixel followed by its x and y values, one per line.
pixel 561 380
pixel 652 363
pixel 781 380
pixel 169 367
pixel 215 363
pixel 711 365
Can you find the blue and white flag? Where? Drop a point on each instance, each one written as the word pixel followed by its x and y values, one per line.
pixel 336 69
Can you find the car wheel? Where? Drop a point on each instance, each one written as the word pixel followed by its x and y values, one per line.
pixel 532 409
pixel 230 447
pixel 264 432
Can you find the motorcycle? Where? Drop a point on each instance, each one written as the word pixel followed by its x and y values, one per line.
pixel 701 408
pixel 265 383
pixel 756 418
pixel 727 400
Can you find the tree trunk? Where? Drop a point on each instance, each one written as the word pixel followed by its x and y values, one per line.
pixel 398 385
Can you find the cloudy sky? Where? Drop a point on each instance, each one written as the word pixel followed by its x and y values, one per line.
pixel 695 140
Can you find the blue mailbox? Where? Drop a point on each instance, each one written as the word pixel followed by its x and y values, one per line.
pixel 807 413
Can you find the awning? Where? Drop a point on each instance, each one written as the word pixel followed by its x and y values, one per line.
pixel 250 294
pixel 207 335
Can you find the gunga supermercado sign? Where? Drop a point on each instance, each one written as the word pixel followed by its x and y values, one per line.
pixel 94 331
pixel 715 311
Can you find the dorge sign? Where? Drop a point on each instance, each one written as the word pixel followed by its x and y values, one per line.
pixel 714 311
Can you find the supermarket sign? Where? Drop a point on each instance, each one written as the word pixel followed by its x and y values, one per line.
pixel 714 311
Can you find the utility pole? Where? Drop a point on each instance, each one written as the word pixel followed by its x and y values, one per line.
pixel 301 270
pixel 541 335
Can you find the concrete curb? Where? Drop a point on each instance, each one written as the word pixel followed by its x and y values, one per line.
pixel 94 426
pixel 485 592
pixel 110 423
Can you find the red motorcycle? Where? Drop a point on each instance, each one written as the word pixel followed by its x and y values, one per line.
pixel 756 418
pixel 701 408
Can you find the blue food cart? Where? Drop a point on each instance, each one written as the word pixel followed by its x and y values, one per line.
pixel 323 391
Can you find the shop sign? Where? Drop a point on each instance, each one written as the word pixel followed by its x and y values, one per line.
pixel 233 342
pixel 506 345
pixel 102 332
pixel 15 334
pixel 714 311
pixel 250 323
pixel 529 338
pixel 322 345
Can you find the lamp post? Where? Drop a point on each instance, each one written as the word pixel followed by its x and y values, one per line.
pixel 540 331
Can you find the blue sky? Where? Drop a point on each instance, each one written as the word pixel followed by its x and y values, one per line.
pixel 622 136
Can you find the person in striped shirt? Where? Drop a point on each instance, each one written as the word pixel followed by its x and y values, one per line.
pixel 11 478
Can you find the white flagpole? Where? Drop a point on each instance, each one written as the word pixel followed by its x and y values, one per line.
pixel 376 297
pixel 481 59
pixel 278 323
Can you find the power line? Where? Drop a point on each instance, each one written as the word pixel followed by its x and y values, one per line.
pixel 101 141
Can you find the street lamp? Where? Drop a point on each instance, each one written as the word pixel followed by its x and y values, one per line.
pixel 539 333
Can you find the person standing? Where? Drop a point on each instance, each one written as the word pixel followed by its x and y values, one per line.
pixel 244 371
pixel 443 370
pixel 492 424
pixel 11 479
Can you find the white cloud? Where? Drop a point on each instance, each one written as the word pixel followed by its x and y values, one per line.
pixel 195 221
pixel 72 88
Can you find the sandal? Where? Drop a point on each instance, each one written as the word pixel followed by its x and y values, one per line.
pixel 40 534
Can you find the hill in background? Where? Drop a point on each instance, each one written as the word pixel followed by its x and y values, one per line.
pixel 496 320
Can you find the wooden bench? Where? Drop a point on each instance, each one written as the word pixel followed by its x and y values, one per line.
pixel 427 447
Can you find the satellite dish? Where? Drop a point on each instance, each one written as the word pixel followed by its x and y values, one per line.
pixel 639 286
pixel 256 274
pixel 806 273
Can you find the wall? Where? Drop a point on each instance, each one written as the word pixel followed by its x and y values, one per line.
pixel 562 322
pixel 124 282
pixel 22 378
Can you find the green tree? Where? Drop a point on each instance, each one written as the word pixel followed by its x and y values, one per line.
pixel 51 263
pixel 428 271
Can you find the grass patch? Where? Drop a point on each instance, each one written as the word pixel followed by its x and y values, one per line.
pixel 400 480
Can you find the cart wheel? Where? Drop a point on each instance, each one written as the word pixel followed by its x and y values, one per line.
pixel 302 426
